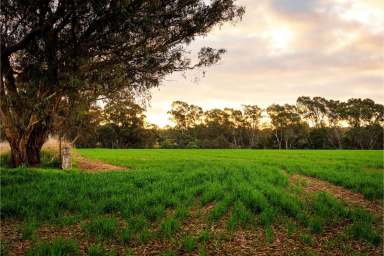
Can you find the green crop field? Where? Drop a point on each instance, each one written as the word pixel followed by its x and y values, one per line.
pixel 198 202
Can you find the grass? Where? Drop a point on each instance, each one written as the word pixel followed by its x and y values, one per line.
pixel 28 230
pixel 189 243
pixel 169 227
pixel 102 227
pixel 244 189
pixel 59 247
pixel 204 236
pixel 98 250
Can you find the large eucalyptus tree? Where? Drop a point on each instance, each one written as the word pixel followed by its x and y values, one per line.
pixel 58 52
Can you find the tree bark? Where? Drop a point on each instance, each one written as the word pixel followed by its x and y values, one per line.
pixel 26 146
pixel 278 139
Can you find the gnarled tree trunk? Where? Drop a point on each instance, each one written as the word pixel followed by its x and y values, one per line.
pixel 26 145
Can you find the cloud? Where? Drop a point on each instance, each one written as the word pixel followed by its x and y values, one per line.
pixel 284 49
pixel 295 6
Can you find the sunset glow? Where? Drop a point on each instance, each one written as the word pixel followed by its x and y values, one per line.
pixel 280 39
pixel 284 49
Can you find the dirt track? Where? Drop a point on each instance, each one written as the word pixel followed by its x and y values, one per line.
pixel 96 165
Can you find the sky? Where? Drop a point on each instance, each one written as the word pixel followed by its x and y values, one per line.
pixel 283 49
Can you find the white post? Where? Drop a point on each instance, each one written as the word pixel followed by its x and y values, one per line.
pixel 66 158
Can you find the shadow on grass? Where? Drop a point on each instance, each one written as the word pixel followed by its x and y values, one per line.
pixel 49 160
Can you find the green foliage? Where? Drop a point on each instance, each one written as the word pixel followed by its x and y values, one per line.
pixel 307 239
pixel 269 235
pixel 241 216
pixel 267 216
pixel 98 250
pixel 127 235
pixel 291 228
pixel 169 227
pixel 168 253
pixel 164 188
pixel 137 229
pixel 202 251
pixel 102 227
pixel 28 230
pixel 181 213
pixel 59 247
pixel 50 69
pixel 361 227
pixel 220 209
pixel 363 231
pixel 144 236
pixel 204 236
pixel 189 243
pixel 326 210
pixel 315 123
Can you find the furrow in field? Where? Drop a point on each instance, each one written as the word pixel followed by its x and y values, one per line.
pixel 311 185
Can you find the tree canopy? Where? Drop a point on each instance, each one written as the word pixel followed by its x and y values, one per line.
pixel 277 126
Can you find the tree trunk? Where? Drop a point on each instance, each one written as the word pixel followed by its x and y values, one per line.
pixel 278 140
pixel 35 143
pixel 16 156
pixel 26 146
pixel 25 127
pixel 18 151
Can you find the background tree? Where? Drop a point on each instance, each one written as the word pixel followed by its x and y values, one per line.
pixel 252 116
pixel 128 118
pixel 334 113
pixel 54 51
pixel 284 119
pixel 83 129
pixel 360 112
pixel 125 127
pixel 236 125
pixel 184 115
pixel 313 110
pixel 217 129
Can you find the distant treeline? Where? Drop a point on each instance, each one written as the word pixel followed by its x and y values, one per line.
pixel 312 123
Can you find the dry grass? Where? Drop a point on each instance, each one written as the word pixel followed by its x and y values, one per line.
pixel 51 146
pixel 4 148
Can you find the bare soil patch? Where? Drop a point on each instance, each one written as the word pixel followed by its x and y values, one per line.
pixel 312 185
pixel 92 165
pixel 12 239
pixel 250 241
